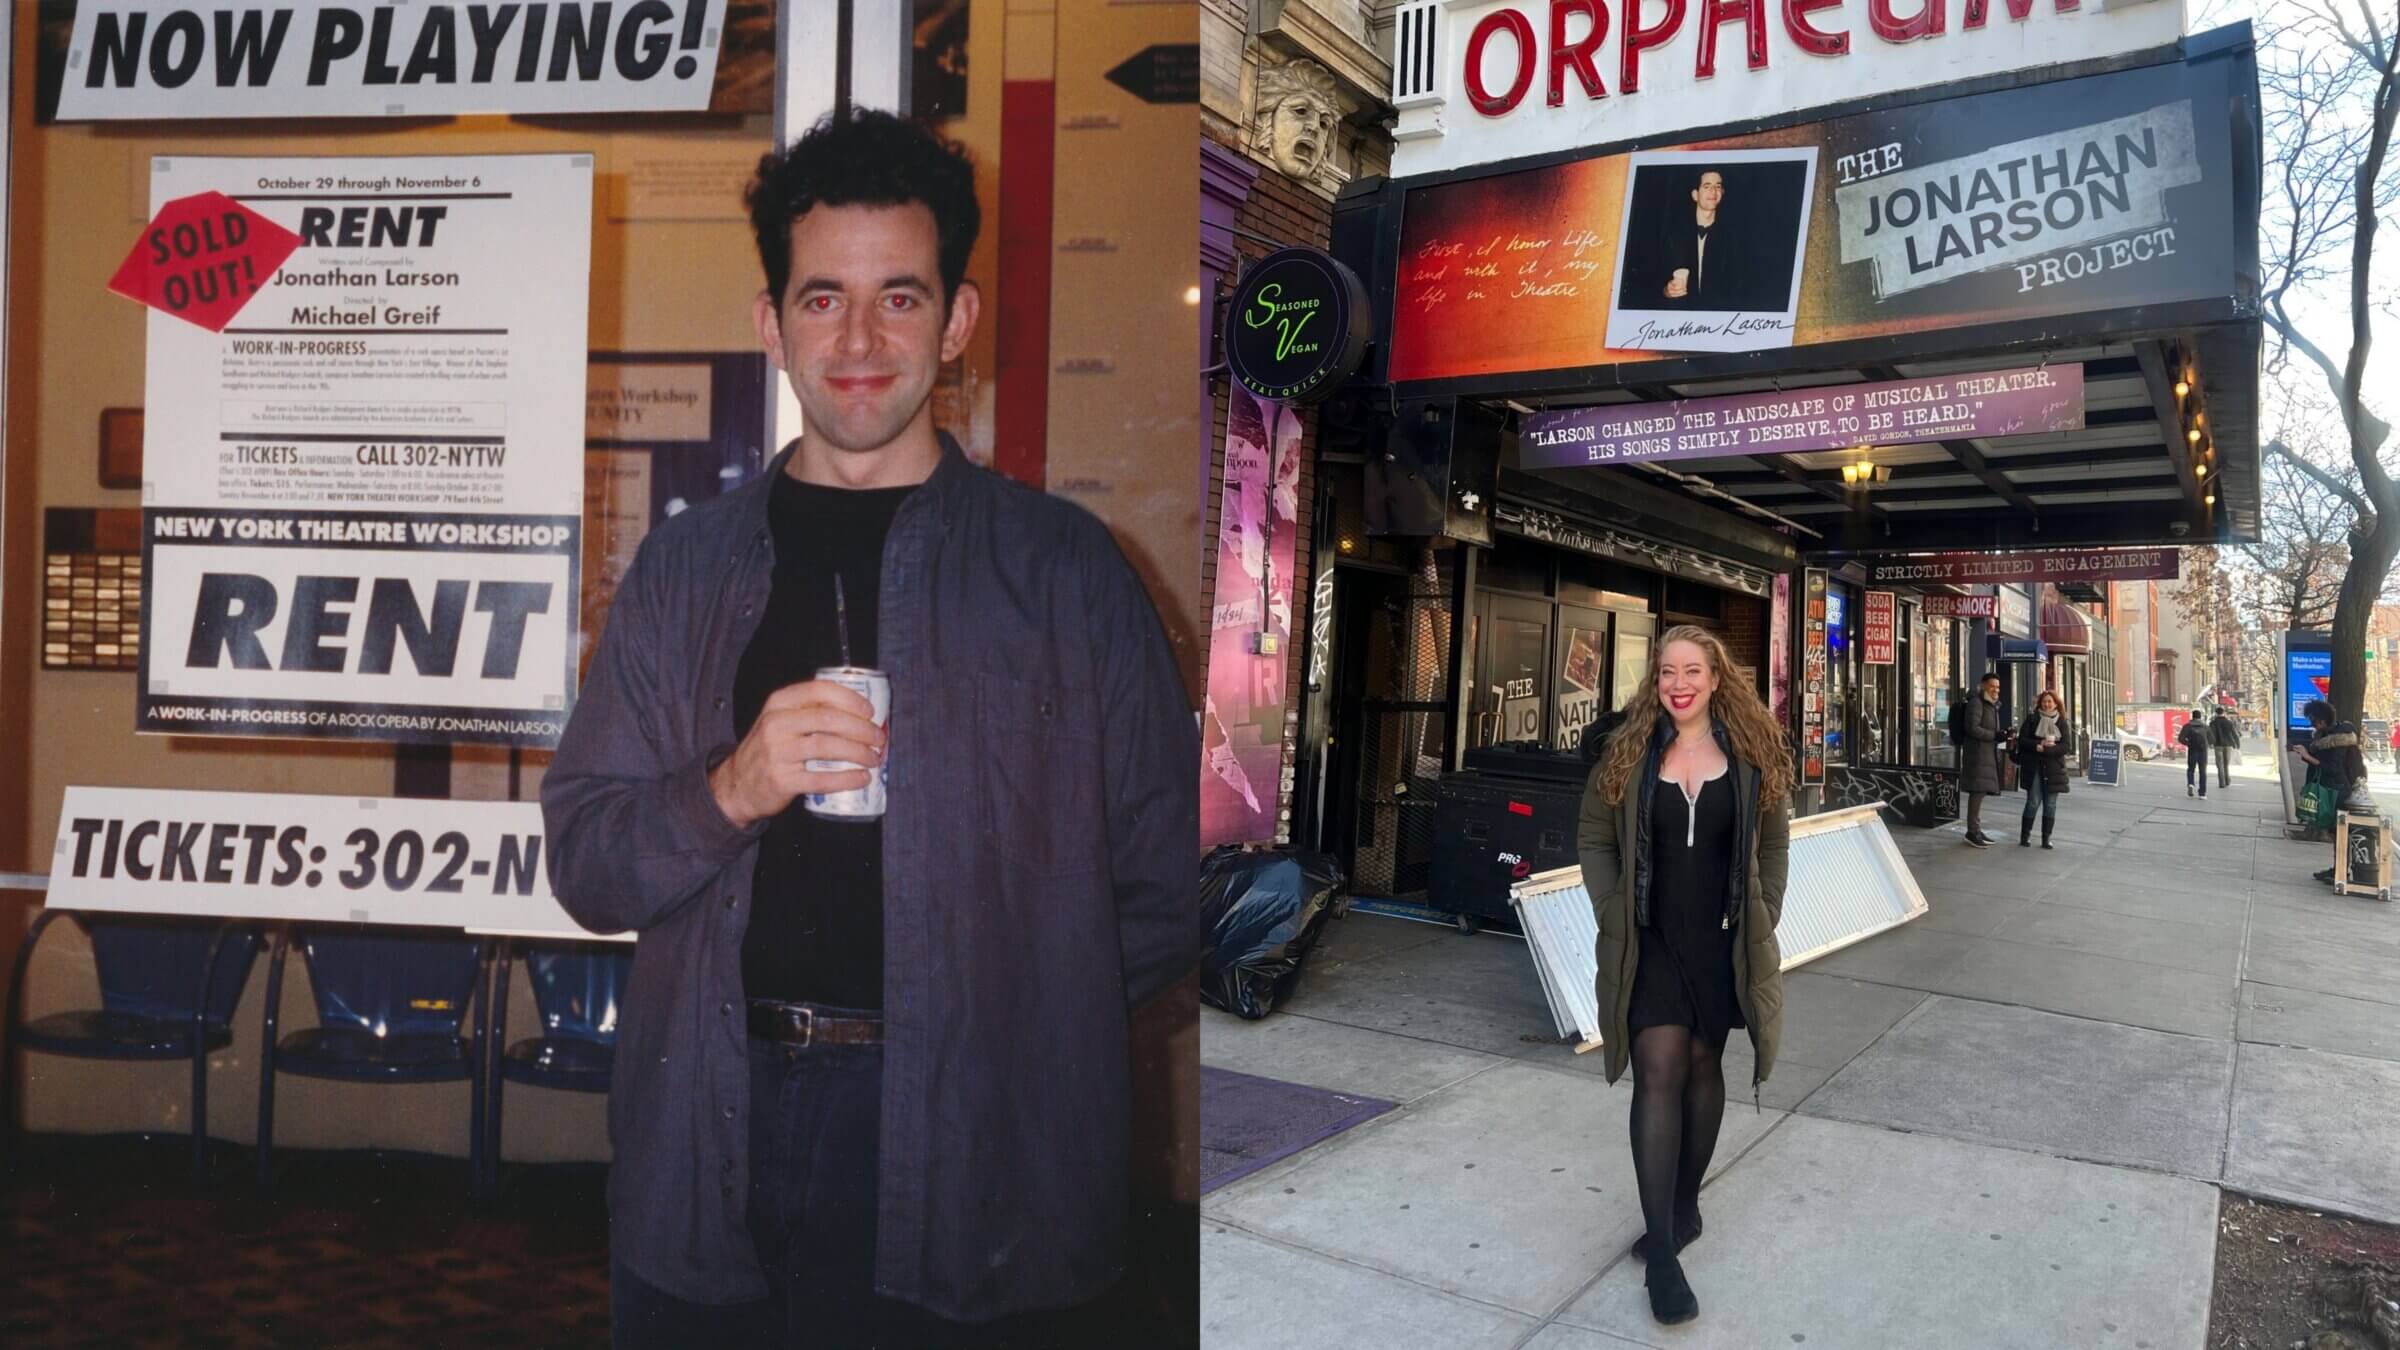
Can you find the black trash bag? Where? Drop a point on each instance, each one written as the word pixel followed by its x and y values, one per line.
pixel 1265 911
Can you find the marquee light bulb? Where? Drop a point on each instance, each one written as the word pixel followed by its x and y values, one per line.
pixel 2182 387
pixel 2199 471
pixel 2193 435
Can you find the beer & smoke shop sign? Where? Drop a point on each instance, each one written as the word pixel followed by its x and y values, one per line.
pixel 1299 326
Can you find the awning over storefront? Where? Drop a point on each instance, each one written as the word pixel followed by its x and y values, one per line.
pixel 2065 629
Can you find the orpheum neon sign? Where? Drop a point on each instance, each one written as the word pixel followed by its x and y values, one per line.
pixel 1575 56
pixel 1540 77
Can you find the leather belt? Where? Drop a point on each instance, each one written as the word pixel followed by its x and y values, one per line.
pixel 803 1024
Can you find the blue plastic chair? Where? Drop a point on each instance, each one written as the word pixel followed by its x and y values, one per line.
pixel 168 988
pixel 578 988
pixel 390 1009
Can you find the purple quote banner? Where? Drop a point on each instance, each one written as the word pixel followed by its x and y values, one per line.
pixel 2024 402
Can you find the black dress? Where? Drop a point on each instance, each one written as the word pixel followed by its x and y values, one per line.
pixel 1684 976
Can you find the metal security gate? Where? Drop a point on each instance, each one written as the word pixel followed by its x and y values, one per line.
pixel 1393 724
pixel 1399 770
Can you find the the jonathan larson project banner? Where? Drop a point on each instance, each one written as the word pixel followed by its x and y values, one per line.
pixel 364 496
pixel 2080 196
pixel 1886 412
pixel 145 60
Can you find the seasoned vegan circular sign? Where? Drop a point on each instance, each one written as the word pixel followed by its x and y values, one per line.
pixel 1300 326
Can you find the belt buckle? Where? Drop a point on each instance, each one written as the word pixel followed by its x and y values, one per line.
pixel 808 1025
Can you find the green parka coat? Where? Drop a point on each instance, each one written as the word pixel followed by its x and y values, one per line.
pixel 1611 842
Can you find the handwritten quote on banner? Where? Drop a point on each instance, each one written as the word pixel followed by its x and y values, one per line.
pixel 2026 401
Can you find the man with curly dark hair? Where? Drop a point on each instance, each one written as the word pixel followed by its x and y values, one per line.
pixel 873 1082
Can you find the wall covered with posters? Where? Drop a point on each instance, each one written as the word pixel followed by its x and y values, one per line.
pixel 2102 193
pixel 1250 625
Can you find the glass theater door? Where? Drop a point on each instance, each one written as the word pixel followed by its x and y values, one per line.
pixel 1512 670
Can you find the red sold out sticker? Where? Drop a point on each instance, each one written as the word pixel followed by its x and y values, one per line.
pixel 202 259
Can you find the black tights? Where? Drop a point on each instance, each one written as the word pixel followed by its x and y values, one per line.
pixel 1678 1107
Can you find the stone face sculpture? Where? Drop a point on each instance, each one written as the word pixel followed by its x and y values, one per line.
pixel 1299 104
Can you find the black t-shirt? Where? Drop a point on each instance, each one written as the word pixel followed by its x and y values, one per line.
pixel 816 924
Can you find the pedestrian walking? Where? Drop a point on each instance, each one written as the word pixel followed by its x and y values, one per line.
pixel 2334 759
pixel 2042 757
pixel 1685 837
pixel 2396 744
pixel 2226 739
pixel 1981 733
pixel 2194 738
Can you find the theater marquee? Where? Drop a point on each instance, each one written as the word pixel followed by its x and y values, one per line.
pixel 2084 197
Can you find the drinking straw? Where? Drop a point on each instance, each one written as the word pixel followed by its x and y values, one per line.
pixel 841 618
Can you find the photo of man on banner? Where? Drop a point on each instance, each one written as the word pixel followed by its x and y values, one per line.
pixel 1709 254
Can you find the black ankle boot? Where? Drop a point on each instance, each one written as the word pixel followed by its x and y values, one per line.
pixel 2025 837
pixel 2045 839
pixel 1671 1296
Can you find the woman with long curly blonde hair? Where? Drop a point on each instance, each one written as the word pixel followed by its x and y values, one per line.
pixel 1685 838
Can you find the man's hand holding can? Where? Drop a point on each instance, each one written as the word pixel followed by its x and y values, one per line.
pixel 813 720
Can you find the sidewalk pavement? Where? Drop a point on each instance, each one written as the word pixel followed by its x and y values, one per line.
pixel 2004 1124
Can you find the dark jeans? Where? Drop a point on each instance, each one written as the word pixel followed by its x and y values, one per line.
pixel 2039 796
pixel 2195 769
pixel 815 1121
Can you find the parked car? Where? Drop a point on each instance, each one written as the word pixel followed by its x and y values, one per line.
pixel 2135 745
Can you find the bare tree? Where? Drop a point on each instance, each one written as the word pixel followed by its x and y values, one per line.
pixel 2295 575
pixel 2329 73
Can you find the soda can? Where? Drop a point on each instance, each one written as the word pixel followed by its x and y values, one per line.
pixel 865 803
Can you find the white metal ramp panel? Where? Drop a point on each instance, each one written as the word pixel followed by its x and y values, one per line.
pixel 1847 882
pixel 1556 914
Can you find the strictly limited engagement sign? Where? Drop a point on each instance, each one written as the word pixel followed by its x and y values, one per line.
pixel 262 855
pixel 2023 402
pixel 363 486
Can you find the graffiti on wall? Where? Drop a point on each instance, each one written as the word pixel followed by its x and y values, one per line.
pixel 1924 797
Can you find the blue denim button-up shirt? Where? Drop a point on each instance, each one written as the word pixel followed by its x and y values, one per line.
pixel 1040 880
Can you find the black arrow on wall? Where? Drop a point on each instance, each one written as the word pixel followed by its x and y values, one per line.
pixel 1168 72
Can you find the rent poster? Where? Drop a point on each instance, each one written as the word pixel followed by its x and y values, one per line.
pixel 1250 625
pixel 363 520
pixel 2096 194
